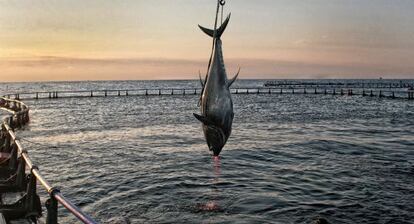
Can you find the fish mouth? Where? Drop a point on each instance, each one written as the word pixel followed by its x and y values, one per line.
pixel 216 138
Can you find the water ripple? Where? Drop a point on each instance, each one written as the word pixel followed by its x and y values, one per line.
pixel 290 159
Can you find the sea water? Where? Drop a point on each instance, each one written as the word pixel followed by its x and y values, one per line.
pixel 290 158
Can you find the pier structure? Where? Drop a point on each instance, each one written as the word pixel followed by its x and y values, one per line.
pixel 394 93
pixel 340 84
pixel 19 174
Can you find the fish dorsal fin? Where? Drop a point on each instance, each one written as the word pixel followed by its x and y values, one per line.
pixel 203 119
pixel 231 81
pixel 220 30
pixel 201 80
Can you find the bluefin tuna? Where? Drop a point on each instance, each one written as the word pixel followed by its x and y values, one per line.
pixel 216 103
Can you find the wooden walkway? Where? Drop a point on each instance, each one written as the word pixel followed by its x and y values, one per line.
pixel 395 93
pixel 19 174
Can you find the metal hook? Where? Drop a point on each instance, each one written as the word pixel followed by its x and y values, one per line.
pixel 222 2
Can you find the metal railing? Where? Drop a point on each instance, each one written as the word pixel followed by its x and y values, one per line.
pixel 19 117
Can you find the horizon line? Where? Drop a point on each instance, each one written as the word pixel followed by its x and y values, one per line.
pixel 196 79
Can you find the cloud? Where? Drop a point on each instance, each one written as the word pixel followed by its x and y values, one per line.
pixel 66 61
pixel 70 68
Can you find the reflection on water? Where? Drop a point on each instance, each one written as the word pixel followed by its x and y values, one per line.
pixel 290 159
pixel 212 204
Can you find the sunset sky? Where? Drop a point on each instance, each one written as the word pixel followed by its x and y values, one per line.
pixel 159 39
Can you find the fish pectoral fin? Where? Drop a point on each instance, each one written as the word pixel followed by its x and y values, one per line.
pixel 202 119
pixel 201 80
pixel 233 79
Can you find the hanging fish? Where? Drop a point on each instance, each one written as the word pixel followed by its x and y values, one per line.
pixel 216 103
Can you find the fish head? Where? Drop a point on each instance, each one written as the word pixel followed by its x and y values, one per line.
pixel 217 135
pixel 216 138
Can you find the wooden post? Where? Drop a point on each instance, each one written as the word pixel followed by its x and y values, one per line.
pixel 237 91
pixel 247 91
pixel 393 96
pixel 195 91
pixel 13 156
pixel 172 91
pixel 11 122
pixel 7 141
pixel 325 92
pixel 316 92
pixel 106 94
pixel 126 93
pixel 91 93
pixel 18 123
pixel 37 96
pixel 146 92
pixel 270 91
pixel 342 92
pixel 52 209
pixel 119 93
pixel 183 92
pixel 304 91
pixel 50 95
pixel 334 93
pixel 159 92
pixel 24 118
pixel 281 91
pixel 371 94
pixel 27 116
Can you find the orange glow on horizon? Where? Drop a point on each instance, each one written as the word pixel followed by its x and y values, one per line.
pixel 95 40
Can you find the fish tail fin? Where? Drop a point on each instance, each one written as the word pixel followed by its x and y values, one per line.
pixel 219 31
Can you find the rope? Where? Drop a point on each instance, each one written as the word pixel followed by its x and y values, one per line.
pixel 221 18
pixel 44 145
pixel 5 161
pixel 9 179
pixel 219 3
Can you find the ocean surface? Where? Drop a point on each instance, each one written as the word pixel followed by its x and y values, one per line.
pixel 290 158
